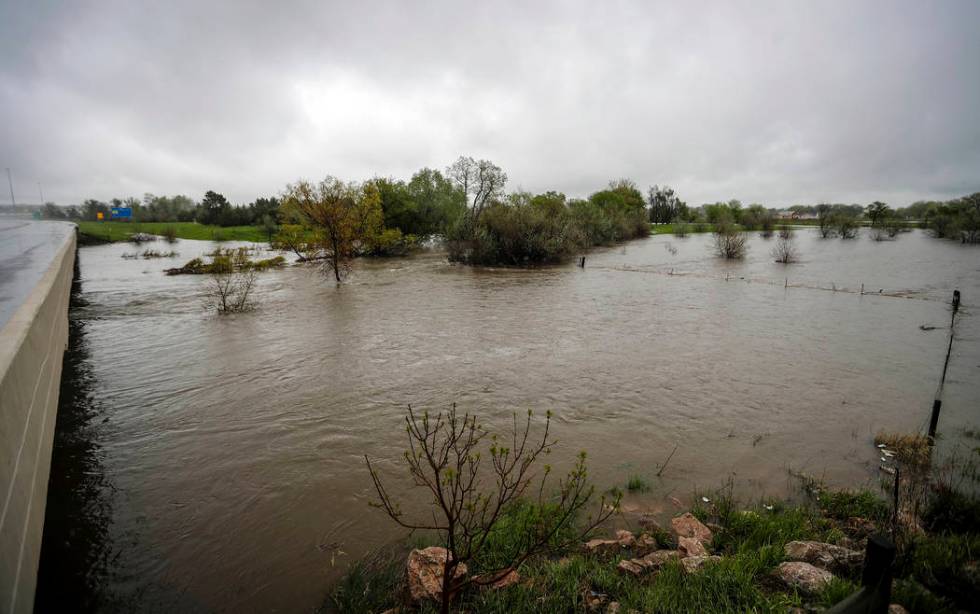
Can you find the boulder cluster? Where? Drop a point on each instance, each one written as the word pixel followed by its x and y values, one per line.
pixel 809 566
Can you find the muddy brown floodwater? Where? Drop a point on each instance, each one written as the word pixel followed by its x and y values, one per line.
pixel 225 454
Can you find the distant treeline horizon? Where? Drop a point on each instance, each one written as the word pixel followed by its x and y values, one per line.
pixel 433 201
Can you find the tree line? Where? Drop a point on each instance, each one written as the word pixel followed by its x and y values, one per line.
pixel 482 223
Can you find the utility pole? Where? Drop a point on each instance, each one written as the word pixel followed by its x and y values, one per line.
pixel 10 182
pixel 41 192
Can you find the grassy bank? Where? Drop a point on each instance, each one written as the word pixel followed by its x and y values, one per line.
pixel 122 231
pixel 935 571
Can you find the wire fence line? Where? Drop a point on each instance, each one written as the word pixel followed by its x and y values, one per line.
pixel 786 282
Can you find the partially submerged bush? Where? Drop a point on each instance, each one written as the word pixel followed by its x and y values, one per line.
pixel 846 225
pixel 784 251
pixel 227 261
pixel 169 234
pixel 730 242
pixel 527 229
pixel 152 253
pixel 391 242
pixel 231 292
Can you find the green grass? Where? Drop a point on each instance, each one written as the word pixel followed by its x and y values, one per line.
pixel 121 231
pixel 844 504
pixel 637 484
pixel 933 573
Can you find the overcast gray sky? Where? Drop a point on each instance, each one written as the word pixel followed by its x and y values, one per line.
pixel 774 102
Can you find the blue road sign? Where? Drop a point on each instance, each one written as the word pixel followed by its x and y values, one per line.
pixel 124 213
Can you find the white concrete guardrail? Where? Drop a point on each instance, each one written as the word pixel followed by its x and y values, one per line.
pixel 32 343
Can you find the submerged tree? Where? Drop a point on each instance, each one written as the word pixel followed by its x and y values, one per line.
pixel 342 217
pixel 445 459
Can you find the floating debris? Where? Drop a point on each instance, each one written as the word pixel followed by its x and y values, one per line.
pixel 768 507
pixel 706 500
pixel 888 470
pixel 881 445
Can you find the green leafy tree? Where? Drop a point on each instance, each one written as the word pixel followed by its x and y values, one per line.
pixel 665 206
pixel 877 212
pixel 438 201
pixel 213 208
pixel 343 217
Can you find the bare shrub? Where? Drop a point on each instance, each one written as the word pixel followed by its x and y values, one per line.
pixel 730 242
pixel 878 233
pixel 894 226
pixel 444 459
pixel 681 229
pixel 231 292
pixel 786 231
pixel 169 234
pixel 784 251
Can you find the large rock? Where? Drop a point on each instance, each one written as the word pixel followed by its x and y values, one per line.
pixel 645 544
pixel 602 546
pixel 825 556
pixel 649 522
pixel 804 577
pixel 694 563
pixel 689 526
pixel 691 546
pixel 631 567
pixel 648 563
pixel 425 569
pixel 625 538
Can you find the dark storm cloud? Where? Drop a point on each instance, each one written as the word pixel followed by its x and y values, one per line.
pixel 775 102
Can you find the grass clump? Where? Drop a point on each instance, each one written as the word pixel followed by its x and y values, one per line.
pixel 844 504
pixel 945 564
pixel 838 590
pixel 636 483
pixel 910 449
pixel 372 584
pixel 226 261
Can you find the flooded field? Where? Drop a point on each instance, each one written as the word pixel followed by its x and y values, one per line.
pixel 223 456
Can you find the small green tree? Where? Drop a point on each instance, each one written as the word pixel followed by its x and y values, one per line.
pixel 445 459
pixel 877 212
pixel 343 217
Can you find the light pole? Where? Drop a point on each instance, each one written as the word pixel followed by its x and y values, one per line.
pixel 10 182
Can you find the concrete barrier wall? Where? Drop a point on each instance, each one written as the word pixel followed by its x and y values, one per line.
pixel 32 344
